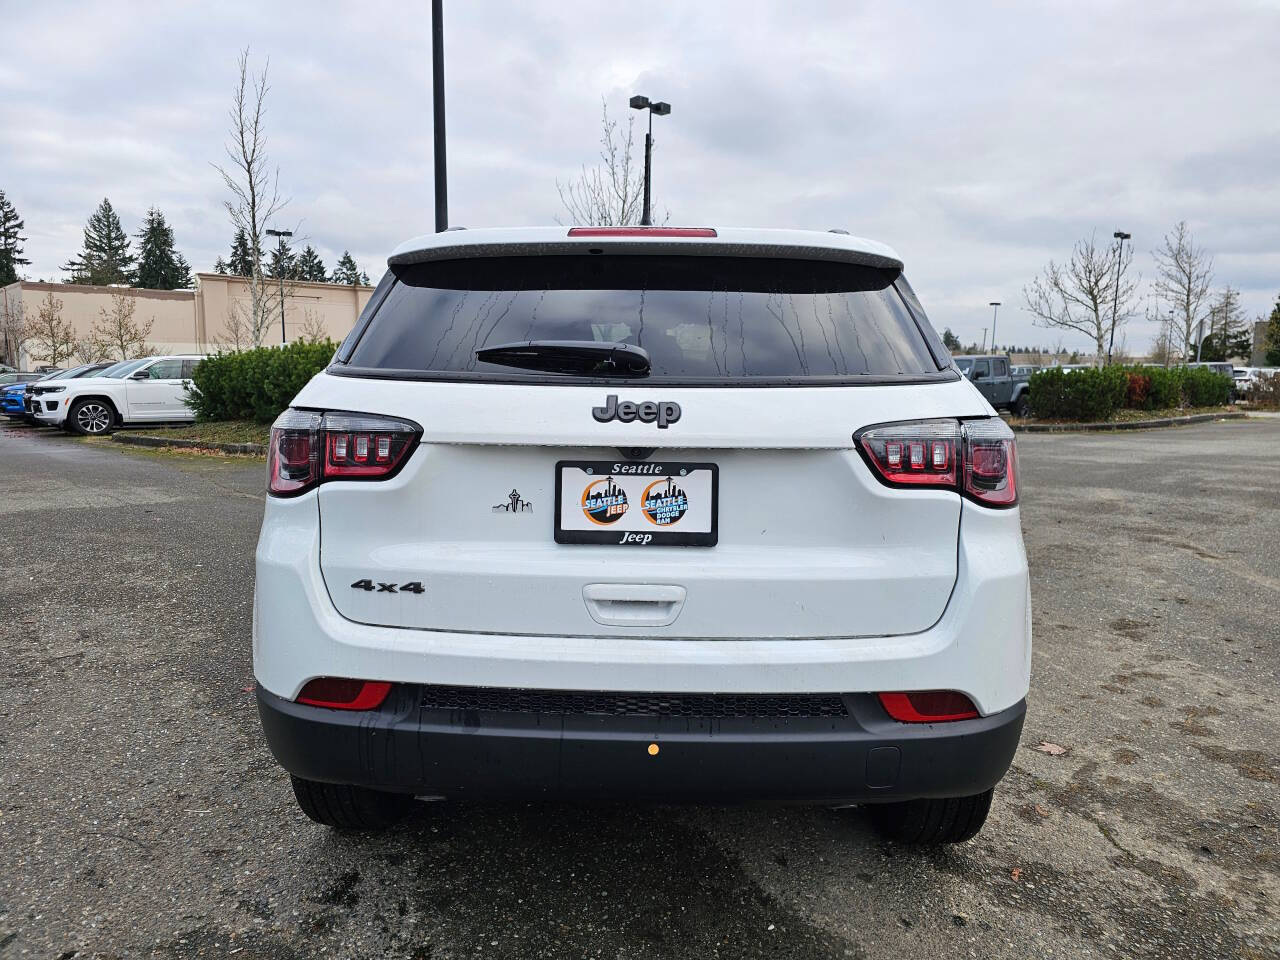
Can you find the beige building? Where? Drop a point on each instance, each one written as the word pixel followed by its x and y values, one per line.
pixel 201 320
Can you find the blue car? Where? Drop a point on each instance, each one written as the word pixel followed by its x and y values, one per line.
pixel 13 397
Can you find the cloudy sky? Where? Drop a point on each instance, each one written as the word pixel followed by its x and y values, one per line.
pixel 979 143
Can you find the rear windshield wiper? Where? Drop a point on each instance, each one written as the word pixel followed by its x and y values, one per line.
pixel 584 358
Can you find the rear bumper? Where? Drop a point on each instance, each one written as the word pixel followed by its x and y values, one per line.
pixel 863 756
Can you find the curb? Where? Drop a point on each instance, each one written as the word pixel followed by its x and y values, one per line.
pixel 142 440
pixel 1123 424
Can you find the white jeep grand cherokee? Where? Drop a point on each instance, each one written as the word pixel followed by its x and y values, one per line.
pixel 650 513
pixel 130 393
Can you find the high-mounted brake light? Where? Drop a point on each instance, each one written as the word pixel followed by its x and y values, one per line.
pixel 338 693
pixel 928 706
pixel 642 232
pixel 978 458
pixel 308 448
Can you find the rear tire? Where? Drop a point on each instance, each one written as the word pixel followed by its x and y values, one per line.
pixel 1022 407
pixel 931 822
pixel 349 808
pixel 91 418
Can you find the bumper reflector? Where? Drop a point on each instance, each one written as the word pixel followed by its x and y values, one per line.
pixel 928 706
pixel 341 694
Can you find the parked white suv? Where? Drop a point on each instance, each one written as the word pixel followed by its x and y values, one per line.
pixel 661 513
pixel 149 390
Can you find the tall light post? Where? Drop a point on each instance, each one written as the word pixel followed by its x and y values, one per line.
pixel 280 276
pixel 995 309
pixel 661 109
pixel 1121 236
pixel 437 109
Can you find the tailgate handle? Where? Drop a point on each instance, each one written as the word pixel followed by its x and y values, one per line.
pixel 633 604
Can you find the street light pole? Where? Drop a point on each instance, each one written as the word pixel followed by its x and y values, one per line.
pixel 437 102
pixel 1121 236
pixel 661 109
pixel 995 310
pixel 280 277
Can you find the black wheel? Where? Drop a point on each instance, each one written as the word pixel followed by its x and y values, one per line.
pixel 1022 407
pixel 931 822
pixel 91 417
pixel 349 808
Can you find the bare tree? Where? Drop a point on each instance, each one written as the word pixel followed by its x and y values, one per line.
pixel 116 328
pixel 91 349
pixel 1082 294
pixel 236 335
pixel 52 338
pixel 611 194
pixel 1184 276
pixel 254 186
pixel 14 331
pixel 313 329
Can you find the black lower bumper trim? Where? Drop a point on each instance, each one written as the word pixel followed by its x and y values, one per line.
pixel 863 756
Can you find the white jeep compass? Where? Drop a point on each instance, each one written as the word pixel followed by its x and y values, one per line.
pixel 643 513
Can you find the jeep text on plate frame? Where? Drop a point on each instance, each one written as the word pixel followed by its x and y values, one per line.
pixel 690 519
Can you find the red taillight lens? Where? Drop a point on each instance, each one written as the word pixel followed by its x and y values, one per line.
pixel 977 457
pixel 293 459
pixel 990 462
pixel 914 454
pixel 642 232
pixel 308 448
pixel 342 694
pixel 928 706
pixel 362 446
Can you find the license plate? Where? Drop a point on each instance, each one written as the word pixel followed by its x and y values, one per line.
pixel 640 503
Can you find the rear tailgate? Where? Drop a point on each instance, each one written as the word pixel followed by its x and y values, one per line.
pixel 810 544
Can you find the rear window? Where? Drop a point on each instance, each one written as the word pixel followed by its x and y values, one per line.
pixel 700 318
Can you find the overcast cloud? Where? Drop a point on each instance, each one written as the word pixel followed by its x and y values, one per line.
pixel 977 142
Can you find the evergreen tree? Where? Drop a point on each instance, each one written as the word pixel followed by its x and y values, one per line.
pixel 105 258
pixel 10 242
pixel 160 266
pixel 283 260
pixel 309 266
pixel 1272 356
pixel 347 272
pixel 241 263
pixel 1228 331
pixel 950 340
pixel 220 266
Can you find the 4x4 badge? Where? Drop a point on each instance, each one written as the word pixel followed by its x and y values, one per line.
pixel 665 412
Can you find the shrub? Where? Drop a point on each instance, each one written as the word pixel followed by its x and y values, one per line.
pixel 1165 391
pixel 1202 387
pixel 256 384
pixel 1266 392
pixel 1087 395
pixel 1138 389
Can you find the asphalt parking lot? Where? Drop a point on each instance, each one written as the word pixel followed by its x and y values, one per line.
pixel 141 815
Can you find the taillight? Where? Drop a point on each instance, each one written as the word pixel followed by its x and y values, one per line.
pixel 914 454
pixel 308 448
pixel 338 693
pixel 293 458
pixel 928 706
pixel 990 462
pixel 976 457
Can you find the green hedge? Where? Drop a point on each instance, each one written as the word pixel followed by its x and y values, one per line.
pixel 256 384
pixel 1088 395
pixel 1093 395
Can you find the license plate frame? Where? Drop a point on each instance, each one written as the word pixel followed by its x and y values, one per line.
pixel 640 528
